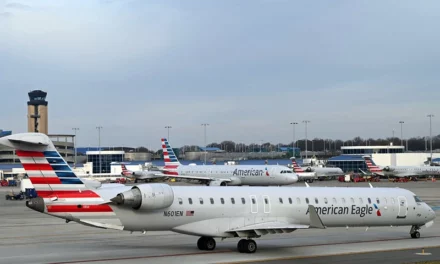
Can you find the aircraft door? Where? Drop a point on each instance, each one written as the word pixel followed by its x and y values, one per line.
pixel 403 207
pixel 266 203
pixel 254 204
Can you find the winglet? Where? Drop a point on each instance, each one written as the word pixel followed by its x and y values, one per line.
pixel 307 184
pixel 371 186
pixel 315 220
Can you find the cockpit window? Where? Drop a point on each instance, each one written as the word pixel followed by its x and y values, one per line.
pixel 418 200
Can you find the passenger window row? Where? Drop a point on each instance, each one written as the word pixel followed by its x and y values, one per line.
pixel 343 200
pixel 290 200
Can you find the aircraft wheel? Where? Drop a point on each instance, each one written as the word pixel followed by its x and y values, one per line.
pixel 206 243
pixel 250 246
pixel 240 245
pixel 136 181
pixel 201 243
pixel 416 234
pixel 210 243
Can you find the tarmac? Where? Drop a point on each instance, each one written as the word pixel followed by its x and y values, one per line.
pixel 31 237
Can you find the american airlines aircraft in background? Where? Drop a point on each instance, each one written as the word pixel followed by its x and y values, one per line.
pixel 208 212
pixel 302 174
pixel 400 171
pixel 320 172
pixel 222 175
pixel 145 175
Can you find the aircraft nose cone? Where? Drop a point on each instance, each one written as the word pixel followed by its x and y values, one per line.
pixel 36 204
pixel 432 215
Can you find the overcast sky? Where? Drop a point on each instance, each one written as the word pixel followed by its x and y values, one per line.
pixel 248 68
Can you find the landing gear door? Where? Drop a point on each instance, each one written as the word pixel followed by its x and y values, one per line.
pixel 403 207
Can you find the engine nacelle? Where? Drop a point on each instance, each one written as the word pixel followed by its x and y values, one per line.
pixel 387 168
pixel 218 183
pixel 309 169
pixel 146 197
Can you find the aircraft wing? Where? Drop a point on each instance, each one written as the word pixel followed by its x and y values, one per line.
pixel 190 177
pixel 274 227
pixel 404 174
pixel 266 228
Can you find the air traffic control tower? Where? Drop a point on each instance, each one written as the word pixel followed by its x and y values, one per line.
pixel 37 112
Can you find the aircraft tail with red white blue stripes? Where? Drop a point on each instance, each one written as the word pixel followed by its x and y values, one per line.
pixel 60 192
pixel 170 158
pixel 372 167
pixel 296 167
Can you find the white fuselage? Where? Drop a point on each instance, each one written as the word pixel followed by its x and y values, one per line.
pixel 323 171
pixel 216 210
pixel 407 171
pixel 259 175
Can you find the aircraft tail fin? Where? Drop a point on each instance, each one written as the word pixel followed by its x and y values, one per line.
pixel 47 170
pixel 372 167
pixel 125 171
pixel 170 158
pixel 296 167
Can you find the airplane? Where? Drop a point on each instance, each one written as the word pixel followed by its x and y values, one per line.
pixel 320 171
pixel 400 171
pixel 222 175
pixel 208 212
pixel 302 174
pixel 145 175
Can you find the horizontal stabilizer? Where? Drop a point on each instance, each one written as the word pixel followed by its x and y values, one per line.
pixel 94 224
pixel 27 141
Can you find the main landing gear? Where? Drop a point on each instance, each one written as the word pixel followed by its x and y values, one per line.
pixel 247 246
pixel 206 243
pixel 414 232
pixel 243 246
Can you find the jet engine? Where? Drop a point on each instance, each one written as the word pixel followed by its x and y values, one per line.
pixel 235 181
pixel 218 183
pixel 309 169
pixel 387 168
pixel 146 197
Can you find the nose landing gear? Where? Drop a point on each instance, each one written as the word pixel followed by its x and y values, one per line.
pixel 414 231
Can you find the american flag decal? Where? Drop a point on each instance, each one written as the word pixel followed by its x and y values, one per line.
pixel 189 213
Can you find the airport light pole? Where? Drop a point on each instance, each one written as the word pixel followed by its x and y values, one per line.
pixel 430 133
pixel 168 136
pixel 74 144
pixel 99 146
pixel 401 132
pixel 306 122
pixel 293 138
pixel 205 138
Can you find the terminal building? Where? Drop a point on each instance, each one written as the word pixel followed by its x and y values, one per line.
pixel 351 159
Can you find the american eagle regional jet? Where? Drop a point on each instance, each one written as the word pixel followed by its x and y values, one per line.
pixel 144 175
pixel 208 212
pixel 400 171
pixel 222 175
